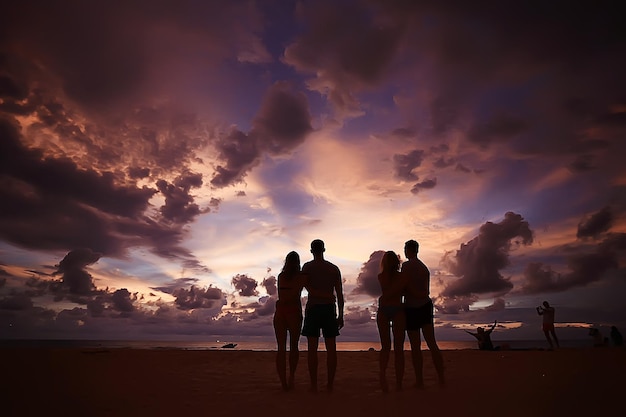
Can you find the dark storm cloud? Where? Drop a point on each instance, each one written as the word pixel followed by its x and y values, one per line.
pixel 404 164
pixel 96 306
pixel 427 184
pixel 270 285
pixel 62 178
pixel 245 285
pixel 367 280
pixel 444 111
pixel 462 168
pixel 51 203
pixel 583 268
pixel 479 261
pixel 177 284
pixel 240 154
pixel 112 52
pixel 96 78
pixel 195 297
pixel 123 300
pixel 500 128
pixel 454 305
pixel 346 48
pixel 595 224
pixel 282 123
pixel 404 132
pixel 16 302
pixel 582 163
pixel 179 205
pixel 9 88
pixel 497 305
pixel 73 272
pixel 357 315
pixel 526 59
pixel 613 242
pixel 443 163
pixel 138 173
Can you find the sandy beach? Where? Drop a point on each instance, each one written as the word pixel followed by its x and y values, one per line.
pixel 135 382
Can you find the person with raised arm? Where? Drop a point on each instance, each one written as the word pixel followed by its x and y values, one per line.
pixel 484 337
pixel 547 312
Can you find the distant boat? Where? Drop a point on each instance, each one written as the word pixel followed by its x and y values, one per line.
pixel 229 345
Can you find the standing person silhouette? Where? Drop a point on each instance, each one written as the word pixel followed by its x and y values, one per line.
pixel 391 310
pixel 419 312
pixel 548 323
pixel 288 318
pixel 325 288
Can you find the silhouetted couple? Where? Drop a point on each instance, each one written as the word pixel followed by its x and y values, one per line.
pixel 322 280
pixel 405 305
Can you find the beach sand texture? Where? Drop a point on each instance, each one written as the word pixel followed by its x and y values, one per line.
pixel 134 382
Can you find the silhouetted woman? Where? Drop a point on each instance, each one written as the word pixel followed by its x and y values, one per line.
pixel 391 316
pixel 288 318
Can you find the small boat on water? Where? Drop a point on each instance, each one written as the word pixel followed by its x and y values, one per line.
pixel 229 346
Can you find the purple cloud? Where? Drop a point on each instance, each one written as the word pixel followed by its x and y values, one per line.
pixel 478 262
pixel 367 280
pixel 404 164
pixel 595 224
pixel 245 285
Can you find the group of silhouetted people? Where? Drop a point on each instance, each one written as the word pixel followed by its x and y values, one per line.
pixel 404 306
pixel 547 312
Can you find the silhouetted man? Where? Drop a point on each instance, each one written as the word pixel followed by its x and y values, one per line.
pixel 324 281
pixel 548 322
pixel 420 313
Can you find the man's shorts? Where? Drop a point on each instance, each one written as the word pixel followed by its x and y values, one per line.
pixel 418 317
pixel 548 327
pixel 320 316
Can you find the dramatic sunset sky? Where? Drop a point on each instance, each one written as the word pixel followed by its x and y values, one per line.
pixel 158 160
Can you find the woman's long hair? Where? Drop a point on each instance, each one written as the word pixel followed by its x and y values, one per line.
pixel 292 264
pixel 390 263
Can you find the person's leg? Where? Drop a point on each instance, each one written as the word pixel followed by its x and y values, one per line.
pixel 398 327
pixel 281 339
pixel 312 344
pixel 331 360
pixel 547 334
pixel 294 351
pixel 385 349
pixel 416 356
pixel 429 335
pixel 554 336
